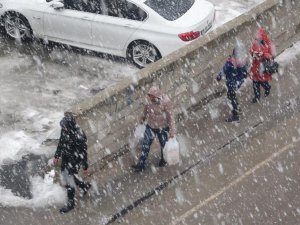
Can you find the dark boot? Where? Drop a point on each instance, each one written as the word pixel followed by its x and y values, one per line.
pixel 71 203
pixel 68 207
pixel 86 189
pixel 138 167
pixel 83 186
pixel 233 118
pixel 162 163
pixel 255 100
pixel 267 92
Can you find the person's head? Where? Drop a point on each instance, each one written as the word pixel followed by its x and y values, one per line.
pixel 154 94
pixel 239 53
pixel 68 122
pixel 262 36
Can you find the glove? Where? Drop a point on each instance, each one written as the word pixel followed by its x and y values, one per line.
pixel 55 161
pixel 86 172
pixel 171 136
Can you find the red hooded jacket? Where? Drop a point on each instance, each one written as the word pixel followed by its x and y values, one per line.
pixel 261 50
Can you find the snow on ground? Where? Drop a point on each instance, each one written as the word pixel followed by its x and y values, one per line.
pixel 15 144
pixel 45 193
pixel 289 54
pixel 227 10
pixel 35 93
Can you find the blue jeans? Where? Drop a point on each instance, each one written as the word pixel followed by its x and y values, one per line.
pixel 149 136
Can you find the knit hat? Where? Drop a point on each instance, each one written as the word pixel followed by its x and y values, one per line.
pixel 240 54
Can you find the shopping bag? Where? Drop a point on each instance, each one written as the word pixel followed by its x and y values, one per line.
pixel 138 136
pixel 139 131
pixel 171 152
pixel 270 66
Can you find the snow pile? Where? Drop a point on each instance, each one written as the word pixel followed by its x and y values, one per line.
pixel 228 10
pixel 44 191
pixel 16 144
pixel 40 121
pixel 289 54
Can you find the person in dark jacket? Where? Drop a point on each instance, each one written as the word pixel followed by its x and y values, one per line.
pixel 235 72
pixel 72 149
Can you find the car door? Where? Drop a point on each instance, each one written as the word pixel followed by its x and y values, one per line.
pixel 34 13
pixel 118 20
pixel 73 23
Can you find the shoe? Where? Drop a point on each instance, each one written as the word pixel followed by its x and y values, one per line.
pixel 267 92
pixel 255 100
pixel 162 163
pixel 138 168
pixel 86 189
pixel 238 111
pixel 233 119
pixel 68 207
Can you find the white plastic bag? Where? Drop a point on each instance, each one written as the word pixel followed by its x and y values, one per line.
pixel 138 136
pixel 171 151
pixel 139 131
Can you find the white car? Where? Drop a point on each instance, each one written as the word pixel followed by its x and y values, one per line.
pixel 140 30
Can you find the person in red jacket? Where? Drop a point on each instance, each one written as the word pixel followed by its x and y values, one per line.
pixel 261 50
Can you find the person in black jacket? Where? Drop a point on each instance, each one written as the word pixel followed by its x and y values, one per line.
pixel 72 149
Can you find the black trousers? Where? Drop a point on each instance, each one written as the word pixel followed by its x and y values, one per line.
pixel 71 180
pixel 231 95
pixel 256 88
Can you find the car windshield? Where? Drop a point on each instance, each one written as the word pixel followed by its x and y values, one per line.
pixel 170 9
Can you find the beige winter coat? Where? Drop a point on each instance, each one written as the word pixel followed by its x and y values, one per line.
pixel 159 114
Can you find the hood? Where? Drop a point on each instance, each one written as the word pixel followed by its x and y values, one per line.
pixel 240 54
pixel 155 91
pixel 262 35
pixel 68 122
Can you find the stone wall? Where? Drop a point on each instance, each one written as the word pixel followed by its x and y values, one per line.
pixel 187 76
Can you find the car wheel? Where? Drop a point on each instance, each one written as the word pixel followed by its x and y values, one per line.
pixel 142 53
pixel 17 26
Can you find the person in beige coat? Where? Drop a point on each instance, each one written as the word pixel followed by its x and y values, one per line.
pixel 159 116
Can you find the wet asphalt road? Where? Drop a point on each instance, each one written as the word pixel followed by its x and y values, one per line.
pixel 255 181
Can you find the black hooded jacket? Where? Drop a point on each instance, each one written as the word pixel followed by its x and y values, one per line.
pixel 72 146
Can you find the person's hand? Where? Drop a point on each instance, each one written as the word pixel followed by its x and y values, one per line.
pixel 55 161
pixel 257 54
pixel 85 172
